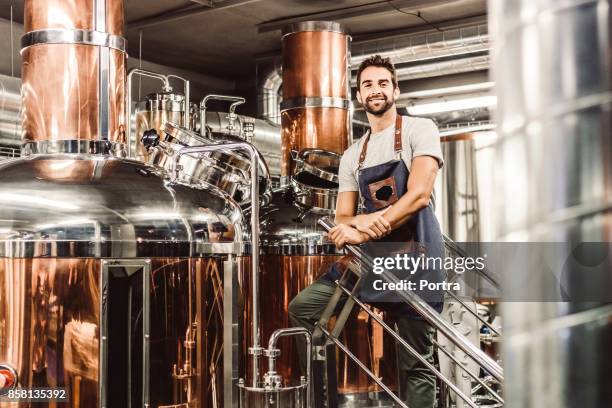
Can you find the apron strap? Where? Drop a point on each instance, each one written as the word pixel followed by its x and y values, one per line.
pixel 397 144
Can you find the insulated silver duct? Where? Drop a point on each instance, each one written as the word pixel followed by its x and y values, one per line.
pixel 421 47
pixel 10 111
pixel 268 97
pixel 554 84
pixel 263 134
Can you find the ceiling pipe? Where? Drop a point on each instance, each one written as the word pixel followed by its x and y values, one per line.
pixel 426 46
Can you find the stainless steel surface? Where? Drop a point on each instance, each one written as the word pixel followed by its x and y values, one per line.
pixel 315 102
pixel 10 111
pixel 156 110
pixel 225 169
pixel 271 378
pixel 325 26
pixel 86 206
pixel 255 350
pixel 553 159
pixel 73 36
pixel 315 199
pixel 132 140
pixel 264 135
pixel 102 147
pixel 429 314
pixel 236 101
pixel 318 162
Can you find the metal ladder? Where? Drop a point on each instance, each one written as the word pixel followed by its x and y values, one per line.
pixel 325 341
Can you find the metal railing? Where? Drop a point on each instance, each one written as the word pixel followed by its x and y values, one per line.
pixel 322 335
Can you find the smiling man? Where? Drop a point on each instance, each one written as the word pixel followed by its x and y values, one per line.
pixel 389 174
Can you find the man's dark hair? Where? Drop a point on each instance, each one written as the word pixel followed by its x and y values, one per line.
pixel 377 61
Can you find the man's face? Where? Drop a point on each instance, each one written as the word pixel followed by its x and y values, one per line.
pixel 376 91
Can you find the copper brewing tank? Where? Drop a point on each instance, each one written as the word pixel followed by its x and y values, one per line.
pixel 110 273
pixel 73 73
pixel 316 92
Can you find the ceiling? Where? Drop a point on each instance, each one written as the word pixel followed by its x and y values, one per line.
pixel 227 39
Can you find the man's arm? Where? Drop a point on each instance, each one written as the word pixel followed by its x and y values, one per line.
pixel 420 186
pixel 346 207
pixel 373 225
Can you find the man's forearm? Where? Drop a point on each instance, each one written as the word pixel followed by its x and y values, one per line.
pixel 406 207
pixel 345 219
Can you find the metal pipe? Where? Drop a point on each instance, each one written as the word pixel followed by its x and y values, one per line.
pixel 425 46
pixel 408 347
pixel 237 100
pixel 255 350
pixel 292 331
pixel 128 101
pixel 186 91
pixel 429 314
pixel 364 368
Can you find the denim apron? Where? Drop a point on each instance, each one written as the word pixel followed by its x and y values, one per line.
pixel 379 187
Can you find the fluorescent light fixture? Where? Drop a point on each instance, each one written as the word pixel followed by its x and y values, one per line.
pixel 35 201
pixel 429 93
pixel 452 105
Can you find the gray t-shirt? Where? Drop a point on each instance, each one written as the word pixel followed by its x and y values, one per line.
pixel 420 137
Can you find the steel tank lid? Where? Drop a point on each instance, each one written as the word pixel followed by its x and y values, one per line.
pixel 329 26
pixel 99 206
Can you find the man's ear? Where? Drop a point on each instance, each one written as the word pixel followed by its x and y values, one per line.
pixel 358 95
pixel 396 92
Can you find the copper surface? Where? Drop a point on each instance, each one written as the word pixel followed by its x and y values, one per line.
pixel 78 14
pixel 321 128
pixel 50 327
pixel 60 82
pixel 282 278
pixel 50 317
pixel 315 64
pixel 63 103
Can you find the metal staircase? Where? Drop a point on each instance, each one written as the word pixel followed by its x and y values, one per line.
pixel 483 376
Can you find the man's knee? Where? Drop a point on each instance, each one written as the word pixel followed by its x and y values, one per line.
pixel 295 308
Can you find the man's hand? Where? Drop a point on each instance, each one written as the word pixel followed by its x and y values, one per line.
pixel 373 224
pixel 343 234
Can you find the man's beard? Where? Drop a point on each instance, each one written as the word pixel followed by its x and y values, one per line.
pixel 380 111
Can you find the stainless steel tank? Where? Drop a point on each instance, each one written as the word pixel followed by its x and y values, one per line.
pixel 553 80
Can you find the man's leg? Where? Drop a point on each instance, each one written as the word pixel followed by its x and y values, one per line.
pixel 306 309
pixel 417 382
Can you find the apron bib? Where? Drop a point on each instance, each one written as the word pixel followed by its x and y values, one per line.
pixel 379 187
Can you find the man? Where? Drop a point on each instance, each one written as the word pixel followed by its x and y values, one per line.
pixel 392 170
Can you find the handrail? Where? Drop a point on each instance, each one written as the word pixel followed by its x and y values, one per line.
pixel 408 347
pixel 429 313
pixel 485 273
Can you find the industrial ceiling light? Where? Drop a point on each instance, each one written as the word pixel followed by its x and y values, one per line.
pixel 452 105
